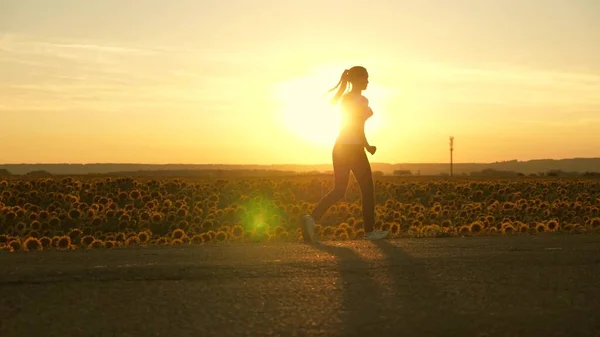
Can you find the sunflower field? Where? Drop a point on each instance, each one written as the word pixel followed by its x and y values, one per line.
pixel 66 213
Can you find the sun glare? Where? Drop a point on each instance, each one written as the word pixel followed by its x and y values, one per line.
pixel 305 110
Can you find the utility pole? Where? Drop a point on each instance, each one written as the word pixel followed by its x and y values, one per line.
pixel 451 150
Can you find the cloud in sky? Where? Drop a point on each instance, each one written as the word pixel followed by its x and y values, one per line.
pixel 55 67
pixel 80 74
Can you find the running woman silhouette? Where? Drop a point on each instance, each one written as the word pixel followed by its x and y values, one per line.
pixel 349 155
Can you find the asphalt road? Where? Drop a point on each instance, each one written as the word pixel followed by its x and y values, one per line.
pixel 484 286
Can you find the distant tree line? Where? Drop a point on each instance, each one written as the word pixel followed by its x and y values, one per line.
pixel 550 173
pixel 280 173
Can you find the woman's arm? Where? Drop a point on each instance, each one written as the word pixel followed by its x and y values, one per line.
pixel 363 138
pixel 367 146
pixel 369 113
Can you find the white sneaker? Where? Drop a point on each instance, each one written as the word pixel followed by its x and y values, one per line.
pixel 308 229
pixel 376 235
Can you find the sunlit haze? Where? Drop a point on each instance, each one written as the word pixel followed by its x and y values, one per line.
pixel 243 81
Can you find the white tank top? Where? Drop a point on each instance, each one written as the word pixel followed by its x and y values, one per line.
pixel 355 112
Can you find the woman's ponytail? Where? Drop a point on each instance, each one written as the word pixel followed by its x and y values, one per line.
pixel 341 86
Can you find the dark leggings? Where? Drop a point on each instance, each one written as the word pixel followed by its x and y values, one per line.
pixel 348 158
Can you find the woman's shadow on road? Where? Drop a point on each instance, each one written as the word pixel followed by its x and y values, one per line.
pixel 361 302
pixel 412 305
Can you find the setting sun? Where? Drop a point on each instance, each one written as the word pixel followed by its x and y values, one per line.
pixel 305 110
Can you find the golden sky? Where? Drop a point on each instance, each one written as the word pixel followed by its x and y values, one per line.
pixel 242 81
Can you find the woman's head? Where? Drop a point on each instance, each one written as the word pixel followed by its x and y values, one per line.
pixel 357 76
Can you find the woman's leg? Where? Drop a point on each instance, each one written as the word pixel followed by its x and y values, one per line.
pixel 341 172
pixel 361 169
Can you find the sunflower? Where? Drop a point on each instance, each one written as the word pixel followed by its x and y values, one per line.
pixel 221 236
pixel 541 227
pixel 552 225
pixel 32 244
pixel 98 244
pixel 476 227
pixel 87 240
pixel 464 230
pixel 508 228
pixel 143 237
pixel 178 234
pixel 64 242
pixel 14 245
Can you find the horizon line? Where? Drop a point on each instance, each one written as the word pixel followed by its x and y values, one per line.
pixel 292 164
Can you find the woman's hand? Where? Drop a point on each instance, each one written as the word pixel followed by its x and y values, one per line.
pixel 371 149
